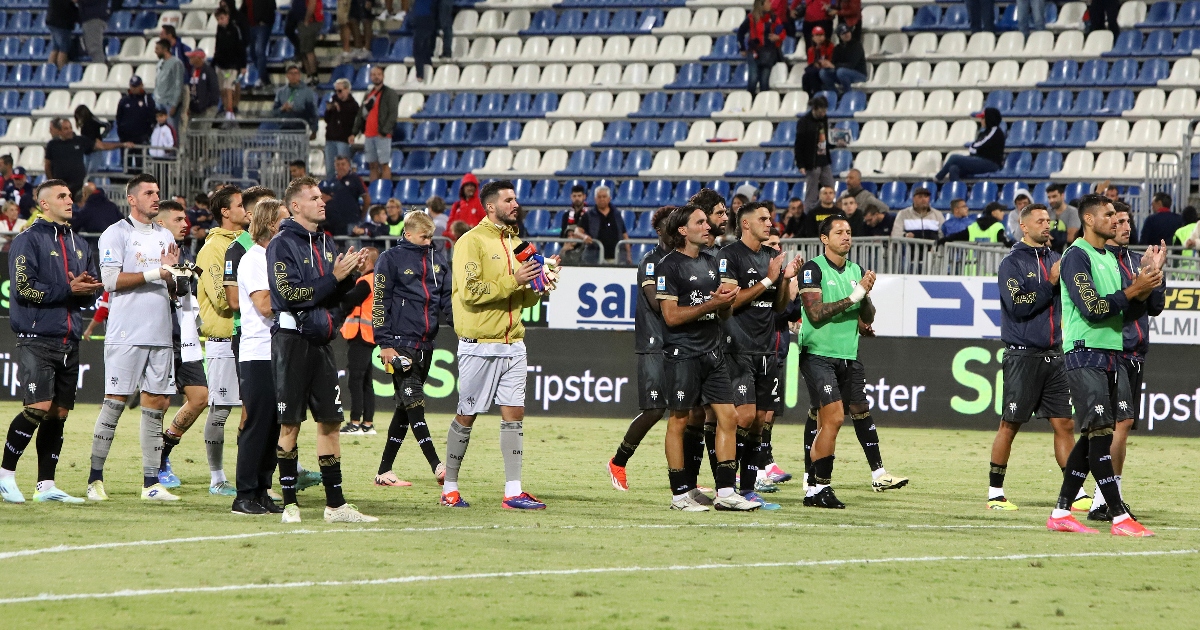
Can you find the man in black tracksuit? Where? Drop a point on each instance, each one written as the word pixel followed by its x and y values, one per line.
pixel 52 274
pixel 412 293
pixel 986 152
pixel 1035 377
pixel 812 150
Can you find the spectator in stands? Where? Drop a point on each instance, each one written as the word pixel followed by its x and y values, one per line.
pixel 960 217
pixel 164 139
pixel 168 82
pixel 1112 192
pixel 988 228
pixel 346 199
pixel 604 223
pixel 6 169
pixel 812 150
pixel 421 21
pixel 1187 232
pixel 982 15
pixel 61 17
pixel 849 62
pixel 374 227
pixel 747 190
pixel 229 58
pixel 1012 224
pixel 849 206
pixel 468 208
pixel 457 229
pixel 918 220
pixel 298 169
pixel 97 212
pixel 1031 16
pixel 1064 218
pixel 435 207
pixel 569 221
pixel 863 197
pixel 849 12
pixel 178 48
pixel 93 15
pixel 786 13
pixel 759 38
pixel 93 130
pixel 135 113
pixel 10 222
pixel 877 222
pixel 1103 14
pixel 296 100
pixel 340 113
pixel 65 155
pixel 737 202
pixel 817 15
pixel 395 217
pixel 445 24
pixel 260 16
pixel 375 120
pixel 825 208
pixel 204 90
pixel 793 218
pixel 820 57
pixel 986 152
pixel 399 14
pixel 20 190
pixel 199 217
pixel 307 34
pixel 354 21
pixel 1162 223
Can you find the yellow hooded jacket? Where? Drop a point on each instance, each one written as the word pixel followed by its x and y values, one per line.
pixel 486 298
pixel 216 317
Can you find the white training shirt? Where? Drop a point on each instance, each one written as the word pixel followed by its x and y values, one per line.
pixel 255 344
pixel 140 316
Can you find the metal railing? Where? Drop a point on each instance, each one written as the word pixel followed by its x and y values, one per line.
pixel 243 151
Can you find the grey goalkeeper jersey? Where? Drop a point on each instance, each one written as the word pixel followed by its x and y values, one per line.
pixel 140 316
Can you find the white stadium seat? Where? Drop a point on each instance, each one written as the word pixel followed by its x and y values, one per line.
pixel 589 131
pixel 1131 13
pixel 868 162
pixel 926 164
pixel 722 162
pixel 466 21
pixel 498 161
pixel 1078 164
pixel 897 163
pixel 666 163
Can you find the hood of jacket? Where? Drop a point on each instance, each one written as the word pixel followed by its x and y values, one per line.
pixel 293 226
pixel 469 178
pixel 991 117
pixel 220 232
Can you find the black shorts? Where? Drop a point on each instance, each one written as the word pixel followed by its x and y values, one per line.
pixel 755 380
pixel 700 380
pixel 1101 397
pixel 1035 383
pixel 190 374
pixel 234 343
pixel 1134 373
pixel 410 385
pixel 306 379
pixel 832 380
pixel 48 369
pixel 651 383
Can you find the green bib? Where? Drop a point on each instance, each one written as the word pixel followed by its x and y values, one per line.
pixel 990 235
pixel 1106 278
pixel 246 242
pixel 396 230
pixel 836 337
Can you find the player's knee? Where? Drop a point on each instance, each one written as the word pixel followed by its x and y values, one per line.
pixel 859 412
pixel 34 416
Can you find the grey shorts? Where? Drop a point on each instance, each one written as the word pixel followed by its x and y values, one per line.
pixel 307 36
pixel 484 379
pixel 128 367
pixel 223 388
pixel 377 150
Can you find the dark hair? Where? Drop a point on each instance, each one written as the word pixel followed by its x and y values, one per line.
pixel 818 102
pixel 49 183
pixel 1189 215
pixel 827 224
pixel 294 188
pixel 1028 210
pixel 221 10
pixel 83 114
pixel 748 208
pixel 200 198
pixel 744 198
pixel 578 189
pixel 1163 199
pixel 492 189
pixel 873 209
pixel 1121 206
pixel 301 164
pixel 994 206
pixel 169 29
pixel 658 221
pixel 143 178
pixel 436 204
pixel 253 194
pixel 221 200
pixel 706 199
pixel 1089 203
pixel 794 200
pixel 170 206
pixel 6 158
pixel 678 218
pixel 164 42
pixel 1058 188
pixel 376 208
pixel 953 202
pixel 775 231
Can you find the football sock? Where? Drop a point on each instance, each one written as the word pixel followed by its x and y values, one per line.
pixel 102 437
pixel 397 430
pixel 214 436
pixel 868 437
pixel 331 478
pixel 810 435
pixel 741 435
pixel 710 443
pixel 823 470
pixel 151 441
pixel 457 440
pixel 420 431
pixel 750 458
pixel 634 435
pixel 679 480
pixel 216 477
pixel 288 461
pixel 45 485
pixel 1101 465
pixel 768 457
pixel 726 472
pixel 996 475
pixel 693 453
pixel 1098 497
pixel 1075 473
pixel 512 444
pixel 169 444
pixel 49 445
pixel 20 433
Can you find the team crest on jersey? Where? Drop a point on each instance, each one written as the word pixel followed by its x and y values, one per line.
pixel 437 269
pixel 808 275
pixel 649 269
pixel 328 257
pixel 654 394
pixel 661 283
pixel 79 254
pixel 711 275
pixel 724 265
pixel 53 252
pixel 408 272
pixel 751 270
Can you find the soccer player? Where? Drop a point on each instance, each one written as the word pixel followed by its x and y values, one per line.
pixel 190 379
pixel 1136 343
pixel 52 280
pixel 135 257
pixel 717 212
pixel 309 280
pixel 837 310
pixel 781 342
pixel 648 340
pixel 1035 377
pixel 1095 308
pixel 760 272
pixel 360 345
pixel 411 291
pixel 490 289
pixel 256 456
pixel 692 297
pixel 233 257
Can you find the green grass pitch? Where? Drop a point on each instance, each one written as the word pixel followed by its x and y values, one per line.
pixel 928 555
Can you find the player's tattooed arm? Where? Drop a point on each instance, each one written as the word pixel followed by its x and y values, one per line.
pixel 818 311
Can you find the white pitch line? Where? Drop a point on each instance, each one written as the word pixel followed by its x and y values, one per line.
pixel 409 579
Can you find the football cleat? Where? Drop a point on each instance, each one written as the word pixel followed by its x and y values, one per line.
pixel 616 474
pixel 697 495
pixel 523 501
pixel 390 480
pixel 1068 524
pixel 736 503
pixel 9 490
pixel 347 513
pixel 223 489
pixel 368 429
pixel 888 481
pixel 764 484
pixel 95 491
pixel 247 507
pixel 439 473
pixel 1099 513
pixel 777 474
pixel 824 499
pixel 687 503
pixel 307 479
pixel 167 477
pixel 1130 527
pixel 291 513
pixel 158 493
pixel 351 427
pixel 1002 503
pixel 54 494
pixel 454 499
pixel 1082 504
pixel 753 496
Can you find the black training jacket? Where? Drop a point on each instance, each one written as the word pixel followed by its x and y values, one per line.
pixel 38 262
pixel 1030 306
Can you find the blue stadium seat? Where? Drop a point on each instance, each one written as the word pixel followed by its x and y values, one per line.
pixel 1123 72
pixel 437 187
pixel 1118 101
pixel 1188 14
pixel 145 20
pixel 639 251
pixel 653 104
pixel 505 132
pixel 1158 44
pixel 842 160
pixel 1006 18
pixel 581 162
pixel 680 105
pixel 479 134
pixel 70 73
pixel 1021 134
pixel 949 192
pixel 570 21
pixel 1008 192
pixel 1160 14
pixel 708 104
pixel 782 164
pixel 119 22
pixel 401 49
pixel 45 75
pixel 10 47
pixel 624 21
pixel 444 162
pixel 645 134
pixel 894 194
pixel 751 164
pixel 721 187
pixel 1187 42
pixel 517 105
pixel 616 134
pixel 724 49
pixel 380 190
pixel 1063 72
pixel 684 191
pixel 717 76
pixel 629 193
pixel 33 99
pixel 955 18
pixel 523 189
pixel 853 101
pixel 361 80
pixel 608 164
pixel 1047 162
pixel 1082 132
pixel 1153 71
pixel 111 162
pixel 981 195
pixel 492 104
pixel 784 135
pixel 672 131
pixel 35 49
pixel 927 18
pixel 1052 134
pixel 1094 72
pixel 657 193
pixel 655 13
pixel 471 160
pixel 542 103
pixel 537 222
pixel 776 192
pixel 542 22
pixel 408 191
pixel 644 227
pixel 799 188
pixel 10 102
pixel 1000 100
pixel 425 134
pixel 1087 103
pixel 1076 190
pixel 416 162
pixel 595 23
pixel 848 125
pixel 1016 164
pixel 637 160
pixel 544 192
pixel 689 77
pixel 453 133
pixel 1039 193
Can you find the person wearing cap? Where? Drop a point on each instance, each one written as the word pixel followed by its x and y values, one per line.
pixel 168 82
pixel 20 190
pixel 204 90
pixel 296 100
pixel 820 57
pixel 918 220
pixel 135 115
pixel 986 152
pixel 849 62
pixel 849 13
pixel 811 151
